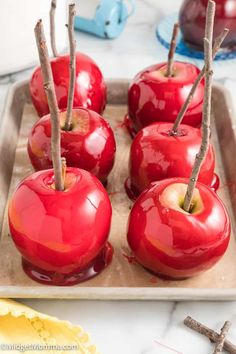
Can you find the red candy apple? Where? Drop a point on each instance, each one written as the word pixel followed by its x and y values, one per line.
pixel 90 89
pixel 172 242
pixel 155 154
pixel 155 97
pixel 179 227
pixel 61 235
pixel 90 144
pixel 60 219
pixel 192 22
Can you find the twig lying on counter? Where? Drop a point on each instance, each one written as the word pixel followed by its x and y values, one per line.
pixel 210 334
pixel 220 343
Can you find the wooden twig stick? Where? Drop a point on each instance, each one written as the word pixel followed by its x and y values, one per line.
pixel 169 72
pixel 218 41
pixel 210 16
pixel 52 27
pixel 72 67
pixel 52 103
pixel 206 108
pixel 222 337
pixel 209 333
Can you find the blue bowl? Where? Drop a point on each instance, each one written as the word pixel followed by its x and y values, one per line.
pixel 164 34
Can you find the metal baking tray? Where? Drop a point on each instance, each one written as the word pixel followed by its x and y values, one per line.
pixel 123 279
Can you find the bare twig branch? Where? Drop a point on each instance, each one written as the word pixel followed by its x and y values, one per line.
pixel 210 16
pixel 72 67
pixel 218 41
pixel 173 44
pixel 222 337
pixel 209 333
pixel 52 102
pixel 52 27
pixel 206 107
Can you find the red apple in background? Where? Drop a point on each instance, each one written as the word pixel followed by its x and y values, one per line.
pixel 171 242
pixel 155 154
pixel 61 235
pixel 90 89
pixel 90 144
pixel 154 97
pixel 192 20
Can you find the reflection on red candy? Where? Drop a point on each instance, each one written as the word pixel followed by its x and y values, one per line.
pixel 192 20
pixel 131 192
pixel 153 97
pixel 215 185
pixel 172 243
pixel 129 126
pixel 95 267
pixel 90 144
pixel 62 236
pixel 90 89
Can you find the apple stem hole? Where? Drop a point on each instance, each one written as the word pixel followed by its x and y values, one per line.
pixel 67 128
pixel 191 208
pixel 170 76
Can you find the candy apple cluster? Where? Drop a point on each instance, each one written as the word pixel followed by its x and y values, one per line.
pixel 178 226
pixel 60 218
pixel 87 141
pixel 166 149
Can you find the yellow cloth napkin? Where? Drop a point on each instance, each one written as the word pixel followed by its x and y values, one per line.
pixel 21 326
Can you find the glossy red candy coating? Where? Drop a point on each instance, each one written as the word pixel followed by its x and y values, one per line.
pixel 89 145
pixel 90 89
pixel 156 155
pixel 95 267
pixel 192 19
pixel 153 97
pixel 60 232
pixel 175 244
pixel 215 183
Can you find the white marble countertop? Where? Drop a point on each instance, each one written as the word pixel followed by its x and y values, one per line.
pixel 137 327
